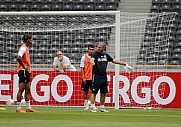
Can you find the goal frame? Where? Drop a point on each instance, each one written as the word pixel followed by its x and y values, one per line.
pixel 117 36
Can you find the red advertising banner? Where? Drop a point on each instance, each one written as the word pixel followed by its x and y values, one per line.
pixel 135 89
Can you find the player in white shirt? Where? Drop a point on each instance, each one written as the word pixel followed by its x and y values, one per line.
pixel 62 63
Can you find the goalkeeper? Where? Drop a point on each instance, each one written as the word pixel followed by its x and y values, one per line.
pixel 99 60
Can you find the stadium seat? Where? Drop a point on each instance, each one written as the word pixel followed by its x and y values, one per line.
pixel 99 7
pixel 38 2
pixel 165 8
pixel 60 2
pixel 155 8
pixel 177 50
pixel 34 7
pixel 18 2
pixel 163 62
pixel 178 45
pixel 57 7
pixel 176 2
pixel 166 2
pixel 24 7
pixel 45 8
pixel 89 7
pixel 91 2
pixel 156 2
pixel 176 8
pixel 80 2
pixel 70 2
pixel 113 2
pixel 13 7
pixel 174 62
pixel 79 7
pixel 176 56
pixel 68 7
pixel 49 2
pixel 3 8
pixel 6 2
pixel 111 8
pixel 103 2
pixel 28 2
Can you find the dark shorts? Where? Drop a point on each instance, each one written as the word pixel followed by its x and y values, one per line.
pixel 85 87
pixel 99 83
pixel 24 76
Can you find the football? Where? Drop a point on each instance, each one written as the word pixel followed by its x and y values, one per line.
pixel 9 102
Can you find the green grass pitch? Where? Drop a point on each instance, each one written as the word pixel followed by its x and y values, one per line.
pixel 78 117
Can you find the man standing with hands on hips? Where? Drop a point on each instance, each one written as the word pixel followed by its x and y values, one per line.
pixel 24 72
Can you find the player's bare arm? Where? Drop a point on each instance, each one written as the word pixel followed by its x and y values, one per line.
pixel 83 77
pixel 118 62
pixel 21 63
pixel 64 66
pixel 92 61
pixel 57 69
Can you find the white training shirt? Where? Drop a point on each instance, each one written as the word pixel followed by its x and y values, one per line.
pixel 65 61
pixel 82 60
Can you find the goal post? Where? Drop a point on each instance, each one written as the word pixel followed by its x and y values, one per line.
pixel 140 39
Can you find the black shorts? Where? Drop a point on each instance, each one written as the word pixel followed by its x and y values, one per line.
pixel 99 83
pixel 24 76
pixel 85 87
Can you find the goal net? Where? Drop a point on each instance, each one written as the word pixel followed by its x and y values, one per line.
pixel 141 40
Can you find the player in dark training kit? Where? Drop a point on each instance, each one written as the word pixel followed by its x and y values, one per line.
pixel 99 60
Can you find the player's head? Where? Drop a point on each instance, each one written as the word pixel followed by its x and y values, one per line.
pixel 60 55
pixel 90 49
pixel 101 47
pixel 27 38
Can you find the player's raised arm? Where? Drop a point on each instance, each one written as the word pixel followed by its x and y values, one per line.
pixel 118 62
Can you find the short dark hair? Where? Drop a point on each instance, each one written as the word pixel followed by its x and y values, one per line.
pixel 26 37
pixel 90 46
